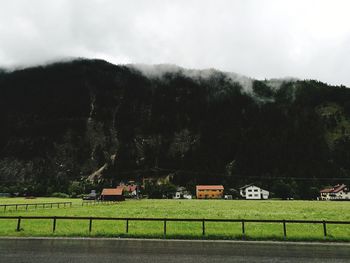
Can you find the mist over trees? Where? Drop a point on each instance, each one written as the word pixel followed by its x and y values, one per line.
pixel 74 126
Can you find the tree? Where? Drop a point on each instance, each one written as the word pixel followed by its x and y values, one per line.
pixel 283 190
pixel 75 188
pixel 154 190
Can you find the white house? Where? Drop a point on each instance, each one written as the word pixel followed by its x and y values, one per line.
pixel 182 193
pixel 337 192
pixel 179 195
pixel 252 192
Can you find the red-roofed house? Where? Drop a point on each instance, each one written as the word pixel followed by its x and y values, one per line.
pixel 209 191
pixel 112 194
pixel 337 192
pixel 131 190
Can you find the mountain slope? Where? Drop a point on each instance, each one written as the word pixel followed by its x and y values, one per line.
pixel 90 119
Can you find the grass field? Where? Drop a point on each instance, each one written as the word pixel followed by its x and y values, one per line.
pixel 230 209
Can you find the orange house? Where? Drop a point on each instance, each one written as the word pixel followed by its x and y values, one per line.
pixel 209 191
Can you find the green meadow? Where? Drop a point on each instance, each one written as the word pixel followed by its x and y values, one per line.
pixel 208 209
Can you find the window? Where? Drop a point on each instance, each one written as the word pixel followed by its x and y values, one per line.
pixel 256 190
pixel 250 195
pixel 249 190
pixel 256 195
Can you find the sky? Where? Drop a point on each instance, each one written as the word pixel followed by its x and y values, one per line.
pixel 306 39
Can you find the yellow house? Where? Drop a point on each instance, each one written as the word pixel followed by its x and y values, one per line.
pixel 209 191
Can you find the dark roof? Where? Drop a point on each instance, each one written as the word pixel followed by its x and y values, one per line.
pixel 245 186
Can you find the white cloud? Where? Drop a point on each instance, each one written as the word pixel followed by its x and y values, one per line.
pixel 257 38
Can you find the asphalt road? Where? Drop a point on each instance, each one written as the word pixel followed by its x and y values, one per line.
pixel 127 250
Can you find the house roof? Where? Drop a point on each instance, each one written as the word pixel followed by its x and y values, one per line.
pixel 181 189
pixel 210 187
pixel 338 188
pixel 245 186
pixel 335 189
pixel 326 190
pixel 112 191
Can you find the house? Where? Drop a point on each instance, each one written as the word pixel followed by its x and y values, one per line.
pixel 130 189
pixel 325 193
pixel 337 192
pixel 231 193
pixel 209 191
pixel 253 192
pixel 112 194
pixel 182 193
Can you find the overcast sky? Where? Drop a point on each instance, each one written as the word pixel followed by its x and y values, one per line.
pixel 257 38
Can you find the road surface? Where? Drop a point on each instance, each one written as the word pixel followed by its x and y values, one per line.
pixel 52 250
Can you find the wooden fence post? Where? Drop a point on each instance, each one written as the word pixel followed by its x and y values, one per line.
pixel 243 230
pixel 18 224
pixel 90 225
pixel 284 229
pixel 203 227
pixel 54 225
pixel 324 229
pixel 164 228
pixel 127 225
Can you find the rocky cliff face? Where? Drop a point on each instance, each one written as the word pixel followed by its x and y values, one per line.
pixel 91 120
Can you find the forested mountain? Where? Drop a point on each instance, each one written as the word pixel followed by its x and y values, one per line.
pixel 93 122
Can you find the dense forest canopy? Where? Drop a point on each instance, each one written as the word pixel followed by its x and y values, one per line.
pixel 92 123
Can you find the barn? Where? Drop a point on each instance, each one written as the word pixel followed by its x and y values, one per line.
pixel 112 194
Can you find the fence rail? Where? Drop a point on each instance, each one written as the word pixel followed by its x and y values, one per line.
pixel 98 202
pixel 243 222
pixel 36 205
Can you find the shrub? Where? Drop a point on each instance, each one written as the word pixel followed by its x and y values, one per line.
pixel 60 195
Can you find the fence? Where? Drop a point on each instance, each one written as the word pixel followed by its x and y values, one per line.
pixel 36 205
pixel 98 202
pixel 165 220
